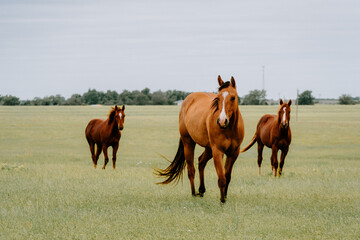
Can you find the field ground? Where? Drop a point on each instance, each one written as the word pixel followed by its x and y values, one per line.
pixel 50 190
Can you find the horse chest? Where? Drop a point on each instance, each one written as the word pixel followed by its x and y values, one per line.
pixel 283 143
pixel 226 142
pixel 111 139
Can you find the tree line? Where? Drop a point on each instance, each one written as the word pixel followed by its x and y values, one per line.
pixel 92 96
pixel 146 97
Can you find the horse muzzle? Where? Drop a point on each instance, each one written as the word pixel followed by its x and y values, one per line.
pixel 224 125
pixel 121 128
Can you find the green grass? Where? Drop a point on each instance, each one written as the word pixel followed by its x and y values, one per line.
pixel 50 190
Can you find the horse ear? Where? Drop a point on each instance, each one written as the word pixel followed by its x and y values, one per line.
pixel 281 101
pixel 289 103
pixel 221 82
pixel 233 82
pixel 123 107
pixel 116 107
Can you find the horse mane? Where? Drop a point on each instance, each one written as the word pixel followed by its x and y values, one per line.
pixel 215 104
pixel 112 114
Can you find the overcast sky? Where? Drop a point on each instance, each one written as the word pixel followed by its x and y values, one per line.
pixel 64 47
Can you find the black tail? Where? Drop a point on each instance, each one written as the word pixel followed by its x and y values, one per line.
pixel 253 141
pixel 175 169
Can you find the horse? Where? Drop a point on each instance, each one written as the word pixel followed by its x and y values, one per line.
pixel 105 133
pixel 214 122
pixel 274 132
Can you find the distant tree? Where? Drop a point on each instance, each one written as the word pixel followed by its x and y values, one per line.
pixel 37 101
pixel 255 97
pixel 10 100
pixel 346 99
pixel 110 98
pixel 91 97
pixel 75 99
pixel 175 95
pixel 139 98
pixel 54 100
pixel 147 94
pixel 45 101
pixel 159 98
pixel 127 98
pixel 305 98
pixel 146 91
pixel 26 103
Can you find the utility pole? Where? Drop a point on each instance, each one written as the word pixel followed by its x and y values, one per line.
pixel 297 103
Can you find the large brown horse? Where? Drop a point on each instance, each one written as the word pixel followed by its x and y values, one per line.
pixel 214 122
pixel 274 132
pixel 105 133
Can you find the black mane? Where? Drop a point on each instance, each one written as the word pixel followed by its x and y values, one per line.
pixel 225 85
pixel 215 104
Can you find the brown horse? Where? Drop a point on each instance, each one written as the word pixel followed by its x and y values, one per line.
pixel 105 133
pixel 274 132
pixel 214 122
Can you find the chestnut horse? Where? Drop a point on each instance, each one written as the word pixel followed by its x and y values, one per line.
pixel 274 132
pixel 105 133
pixel 214 122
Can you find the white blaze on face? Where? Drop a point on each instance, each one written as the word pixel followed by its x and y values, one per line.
pixel 284 115
pixel 120 115
pixel 223 113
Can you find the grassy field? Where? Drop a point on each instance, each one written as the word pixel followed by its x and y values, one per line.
pixel 50 190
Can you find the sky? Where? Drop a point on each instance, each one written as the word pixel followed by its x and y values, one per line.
pixel 50 47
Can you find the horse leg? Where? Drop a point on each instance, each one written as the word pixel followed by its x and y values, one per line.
pixel 274 160
pixel 92 151
pixel 228 168
pixel 260 158
pixel 203 159
pixel 115 148
pixel 96 157
pixel 282 159
pixel 106 160
pixel 189 146
pixel 219 166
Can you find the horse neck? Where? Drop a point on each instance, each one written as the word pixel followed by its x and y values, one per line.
pixel 112 123
pixel 283 131
pixel 234 119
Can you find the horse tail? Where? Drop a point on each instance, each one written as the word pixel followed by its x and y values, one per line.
pixel 175 169
pixel 253 141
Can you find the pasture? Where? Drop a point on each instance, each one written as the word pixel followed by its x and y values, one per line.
pixel 50 190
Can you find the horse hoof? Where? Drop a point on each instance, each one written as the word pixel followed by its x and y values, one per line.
pixel 200 194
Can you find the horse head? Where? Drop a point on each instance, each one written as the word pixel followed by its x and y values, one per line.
pixel 118 115
pixel 226 102
pixel 284 114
